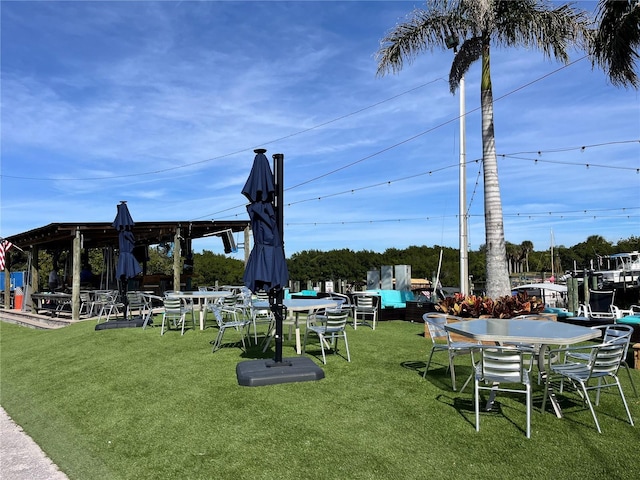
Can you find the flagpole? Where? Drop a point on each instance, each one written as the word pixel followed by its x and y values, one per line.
pixel 451 42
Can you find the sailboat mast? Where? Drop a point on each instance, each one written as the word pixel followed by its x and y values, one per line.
pixel 552 266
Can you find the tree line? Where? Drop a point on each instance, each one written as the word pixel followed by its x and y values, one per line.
pixel 352 266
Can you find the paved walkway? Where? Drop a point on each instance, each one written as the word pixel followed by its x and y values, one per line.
pixel 20 457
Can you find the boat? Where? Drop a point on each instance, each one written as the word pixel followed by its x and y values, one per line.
pixel 622 270
pixel 552 294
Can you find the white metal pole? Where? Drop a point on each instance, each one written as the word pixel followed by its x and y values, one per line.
pixel 464 242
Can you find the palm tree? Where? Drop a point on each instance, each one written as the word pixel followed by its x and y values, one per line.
pixel 479 23
pixel 615 46
pixel 526 248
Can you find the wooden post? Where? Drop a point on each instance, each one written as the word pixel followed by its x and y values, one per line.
pixel 177 254
pixel 34 281
pixel 7 280
pixel 75 278
pixel 247 244
pixel 574 300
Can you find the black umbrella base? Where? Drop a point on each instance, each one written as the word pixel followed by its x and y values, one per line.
pixel 131 323
pixel 257 373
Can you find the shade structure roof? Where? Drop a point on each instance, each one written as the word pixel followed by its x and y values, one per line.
pixel 58 236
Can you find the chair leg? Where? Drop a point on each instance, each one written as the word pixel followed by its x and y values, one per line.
pixel 218 341
pixel 183 321
pixel 322 340
pixel 346 346
pixel 424 375
pixel 624 402
pixel 529 411
pixel 477 404
pixel 453 371
pixel 588 400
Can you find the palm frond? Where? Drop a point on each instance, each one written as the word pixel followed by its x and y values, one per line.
pixel 616 42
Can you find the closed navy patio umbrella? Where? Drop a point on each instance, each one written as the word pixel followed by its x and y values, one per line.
pixel 128 266
pixel 266 268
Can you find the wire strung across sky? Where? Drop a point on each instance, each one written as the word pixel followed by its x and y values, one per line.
pixel 514 156
pixel 455 165
pixel 562 215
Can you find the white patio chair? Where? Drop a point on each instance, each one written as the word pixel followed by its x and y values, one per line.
pixel 173 315
pixel 135 303
pixel 86 303
pixel 500 365
pixel 365 309
pixel 240 325
pixel 442 342
pixel 329 328
pixel 260 315
pixel 109 305
pixel 610 333
pixel 603 363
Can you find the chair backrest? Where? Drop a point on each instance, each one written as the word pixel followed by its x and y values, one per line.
pixel 262 295
pixel 618 332
pixel 607 357
pixel 230 300
pixel 173 305
pixel 503 364
pixel 615 331
pixel 335 321
pixel 340 297
pixel 367 301
pixel 600 301
pixel 135 300
pixel 435 325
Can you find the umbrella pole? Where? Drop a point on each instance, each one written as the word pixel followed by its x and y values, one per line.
pixel 276 298
pixel 123 293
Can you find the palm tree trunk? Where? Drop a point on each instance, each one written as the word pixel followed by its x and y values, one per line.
pixel 497 273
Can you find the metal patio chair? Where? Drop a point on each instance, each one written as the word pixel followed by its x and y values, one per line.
pixel 442 342
pixel 602 364
pixel 499 365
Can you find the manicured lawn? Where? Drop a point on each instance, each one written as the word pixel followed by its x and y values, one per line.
pixel 130 404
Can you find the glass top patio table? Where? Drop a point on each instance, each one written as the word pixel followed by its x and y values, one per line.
pixel 538 332
pixel 207 296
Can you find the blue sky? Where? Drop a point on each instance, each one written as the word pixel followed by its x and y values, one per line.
pixel 162 103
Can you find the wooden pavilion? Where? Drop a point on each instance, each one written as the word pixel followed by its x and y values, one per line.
pixel 76 237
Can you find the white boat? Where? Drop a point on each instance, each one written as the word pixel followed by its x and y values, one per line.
pixel 552 294
pixel 622 269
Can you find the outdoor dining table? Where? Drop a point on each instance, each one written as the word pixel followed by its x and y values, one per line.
pixel 206 297
pixel 541 333
pixel 297 305
pixel 54 302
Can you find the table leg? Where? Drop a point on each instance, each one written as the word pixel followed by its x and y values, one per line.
pixel 492 397
pixel 298 344
pixel 543 376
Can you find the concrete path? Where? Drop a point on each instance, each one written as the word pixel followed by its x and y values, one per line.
pixel 20 457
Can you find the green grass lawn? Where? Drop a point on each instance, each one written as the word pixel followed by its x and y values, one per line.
pixel 130 404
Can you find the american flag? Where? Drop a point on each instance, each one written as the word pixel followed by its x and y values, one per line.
pixel 4 246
